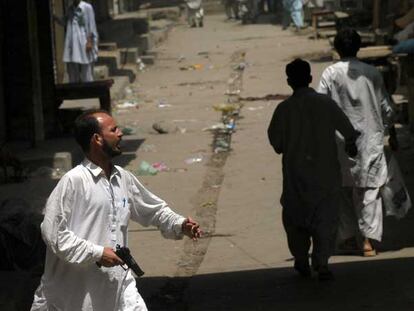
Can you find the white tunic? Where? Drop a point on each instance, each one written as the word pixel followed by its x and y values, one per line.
pixel 80 24
pixel 84 213
pixel 358 89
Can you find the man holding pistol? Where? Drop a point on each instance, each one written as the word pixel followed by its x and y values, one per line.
pixel 86 217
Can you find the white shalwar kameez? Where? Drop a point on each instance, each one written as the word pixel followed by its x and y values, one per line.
pixel 80 25
pixel 358 89
pixel 195 12
pixel 84 213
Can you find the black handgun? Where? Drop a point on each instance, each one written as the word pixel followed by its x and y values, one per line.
pixel 125 254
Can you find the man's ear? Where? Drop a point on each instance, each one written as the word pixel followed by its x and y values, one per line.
pixel 310 79
pixel 97 139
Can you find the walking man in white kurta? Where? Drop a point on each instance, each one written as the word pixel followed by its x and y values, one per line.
pixel 87 215
pixel 81 42
pixel 359 91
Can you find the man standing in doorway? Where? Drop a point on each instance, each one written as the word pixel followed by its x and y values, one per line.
pixel 358 90
pixel 81 42
pixel 303 129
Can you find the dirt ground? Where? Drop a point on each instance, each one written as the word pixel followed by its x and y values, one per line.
pixel 242 262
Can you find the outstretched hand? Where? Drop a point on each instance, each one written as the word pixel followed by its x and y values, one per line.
pixel 191 229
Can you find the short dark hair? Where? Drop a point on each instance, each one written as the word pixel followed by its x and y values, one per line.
pixel 298 72
pixel 347 42
pixel 86 125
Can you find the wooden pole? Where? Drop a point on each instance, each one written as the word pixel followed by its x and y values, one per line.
pixel 376 11
pixel 37 106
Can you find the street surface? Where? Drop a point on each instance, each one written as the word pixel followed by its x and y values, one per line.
pixel 242 262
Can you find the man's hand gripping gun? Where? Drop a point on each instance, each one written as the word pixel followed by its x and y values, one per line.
pixel 125 254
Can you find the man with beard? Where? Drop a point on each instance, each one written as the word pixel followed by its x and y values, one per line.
pixel 87 215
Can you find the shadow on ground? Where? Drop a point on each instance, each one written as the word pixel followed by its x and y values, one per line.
pixel 369 285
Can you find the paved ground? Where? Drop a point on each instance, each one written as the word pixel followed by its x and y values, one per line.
pixel 242 263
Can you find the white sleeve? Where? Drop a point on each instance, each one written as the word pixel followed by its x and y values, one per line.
pixel 148 209
pixel 324 83
pixel 56 234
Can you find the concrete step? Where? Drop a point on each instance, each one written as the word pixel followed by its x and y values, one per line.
pixel 148 59
pixel 118 88
pixel 129 55
pixel 100 72
pixel 107 46
pixel 111 59
pixel 122 30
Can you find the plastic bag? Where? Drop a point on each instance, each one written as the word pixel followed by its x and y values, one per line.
pixel 394 193
pixel 146 169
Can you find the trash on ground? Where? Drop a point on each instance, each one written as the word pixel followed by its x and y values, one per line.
pixel 163 127
pixel 208 204
pixel 162 103
pixel 195 159
pixel 192 67
pixel 128 90
pixel 127 104
pixel 140 64
pixel 180 170
pixel 160 166
pixel 146 169
pixel 128 131
pixel 181 58
pixel 214 127
pixel 240 66
pixel 255 108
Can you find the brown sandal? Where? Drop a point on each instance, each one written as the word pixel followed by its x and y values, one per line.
pixel 370 252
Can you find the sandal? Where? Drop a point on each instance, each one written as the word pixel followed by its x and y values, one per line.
pixel 370 252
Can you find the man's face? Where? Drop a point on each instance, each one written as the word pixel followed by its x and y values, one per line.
pixel 111 135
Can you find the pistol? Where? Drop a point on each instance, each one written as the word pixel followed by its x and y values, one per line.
pixel 124 253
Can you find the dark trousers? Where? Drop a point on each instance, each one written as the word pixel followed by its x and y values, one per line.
pixel 319 232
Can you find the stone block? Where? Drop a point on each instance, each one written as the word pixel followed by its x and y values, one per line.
pixel 62 161
pixel 148 59
pixel 145 42
pixel 129 55
pixel 100 72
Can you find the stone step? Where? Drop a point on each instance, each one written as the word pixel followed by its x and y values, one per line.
pixel 107 46
pixel 148 59
pixel 100 72
pixel 111 59
pixel 123 30
pixel 129 55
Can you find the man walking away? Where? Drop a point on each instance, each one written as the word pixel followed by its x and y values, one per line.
pixel 303 130
pixel 358 90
